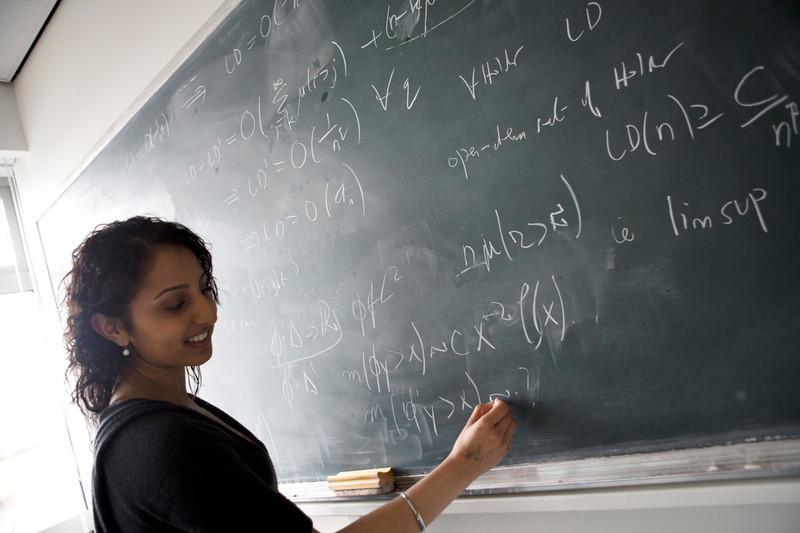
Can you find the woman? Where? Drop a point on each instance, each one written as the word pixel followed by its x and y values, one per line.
pixel 142 303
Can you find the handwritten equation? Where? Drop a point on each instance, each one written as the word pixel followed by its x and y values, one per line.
pixel 418 212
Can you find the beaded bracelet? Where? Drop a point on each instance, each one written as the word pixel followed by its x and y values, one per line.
pixel 414 509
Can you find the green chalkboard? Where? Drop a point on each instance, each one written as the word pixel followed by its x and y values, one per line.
pixel 589 209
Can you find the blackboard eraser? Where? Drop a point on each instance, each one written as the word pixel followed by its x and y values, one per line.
pixel 362 482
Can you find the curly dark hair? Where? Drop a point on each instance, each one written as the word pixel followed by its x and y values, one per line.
pixel 108 269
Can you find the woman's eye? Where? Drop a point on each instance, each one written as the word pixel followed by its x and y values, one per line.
pixel 208 289
pixel 175 307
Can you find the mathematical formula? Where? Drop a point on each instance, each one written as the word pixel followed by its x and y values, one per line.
pixel 330 180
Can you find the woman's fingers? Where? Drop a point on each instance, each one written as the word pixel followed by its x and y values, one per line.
pixel 496 412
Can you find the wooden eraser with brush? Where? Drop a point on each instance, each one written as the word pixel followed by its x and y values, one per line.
pixel 362 482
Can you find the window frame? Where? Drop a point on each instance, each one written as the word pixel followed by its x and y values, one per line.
pixel 14 278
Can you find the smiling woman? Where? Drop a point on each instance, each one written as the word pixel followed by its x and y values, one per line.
pixel 167 327
pixel 142 304
pixel 127 293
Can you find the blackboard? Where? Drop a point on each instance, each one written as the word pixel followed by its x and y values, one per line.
pixel 586 208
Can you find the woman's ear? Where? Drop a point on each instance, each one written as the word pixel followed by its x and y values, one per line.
pixel 110 328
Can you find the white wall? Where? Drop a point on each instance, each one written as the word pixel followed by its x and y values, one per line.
pixel 98 60
pixel 12 138
pixel 760 506
pixel 94 60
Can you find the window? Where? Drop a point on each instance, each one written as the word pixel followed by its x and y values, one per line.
pixel 39 482
pixel 14 274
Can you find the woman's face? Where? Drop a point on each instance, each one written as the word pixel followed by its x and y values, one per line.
pixel 172 317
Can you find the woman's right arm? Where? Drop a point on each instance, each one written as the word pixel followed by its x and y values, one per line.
pixel 482 444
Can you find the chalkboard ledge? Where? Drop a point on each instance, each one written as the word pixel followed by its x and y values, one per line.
pixel 769 459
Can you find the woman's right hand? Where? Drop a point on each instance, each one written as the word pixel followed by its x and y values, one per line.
pixel 482 444
pixel 485 439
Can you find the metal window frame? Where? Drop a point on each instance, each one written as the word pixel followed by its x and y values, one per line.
pixel 15 278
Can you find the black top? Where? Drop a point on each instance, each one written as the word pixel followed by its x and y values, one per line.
pixel 162 467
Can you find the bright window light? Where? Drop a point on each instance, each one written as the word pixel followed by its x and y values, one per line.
pixel 7 256
pixel 39 481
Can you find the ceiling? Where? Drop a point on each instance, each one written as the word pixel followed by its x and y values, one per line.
pixel 21 21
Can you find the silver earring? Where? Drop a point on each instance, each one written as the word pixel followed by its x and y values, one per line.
pixel 126 352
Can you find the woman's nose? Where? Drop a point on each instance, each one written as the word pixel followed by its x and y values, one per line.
pixel 206 312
